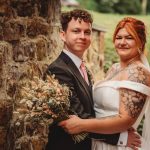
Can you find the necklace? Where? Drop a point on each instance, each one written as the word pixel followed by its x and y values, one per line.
pixel 118 68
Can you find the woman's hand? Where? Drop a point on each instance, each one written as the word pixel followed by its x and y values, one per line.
pixel 134 139
pixel 73 125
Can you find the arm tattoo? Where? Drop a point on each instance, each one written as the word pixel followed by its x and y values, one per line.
pixel 133 102
pixel 137 74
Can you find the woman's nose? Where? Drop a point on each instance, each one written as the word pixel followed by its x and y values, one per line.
pixel 123 41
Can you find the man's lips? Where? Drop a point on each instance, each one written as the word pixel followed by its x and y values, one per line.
pixel 83 43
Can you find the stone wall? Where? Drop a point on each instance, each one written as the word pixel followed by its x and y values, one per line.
pixel 94 56
pixel 29 41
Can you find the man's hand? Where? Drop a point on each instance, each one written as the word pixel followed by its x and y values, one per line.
pixel 134 139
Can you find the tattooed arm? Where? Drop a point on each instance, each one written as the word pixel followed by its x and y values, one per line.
pixel 131 104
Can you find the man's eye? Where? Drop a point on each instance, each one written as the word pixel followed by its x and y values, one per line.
pixel 75 31
pixel 88 33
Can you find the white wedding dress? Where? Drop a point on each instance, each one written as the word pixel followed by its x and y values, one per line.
pixel 106 104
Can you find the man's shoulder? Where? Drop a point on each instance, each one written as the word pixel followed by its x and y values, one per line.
pixel 58 63
pixel 60 60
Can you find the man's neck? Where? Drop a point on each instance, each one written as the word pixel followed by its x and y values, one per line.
pixel 77 54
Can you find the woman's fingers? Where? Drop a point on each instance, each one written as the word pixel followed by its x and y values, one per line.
pixel 134 139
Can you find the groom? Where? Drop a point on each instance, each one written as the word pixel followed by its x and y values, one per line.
pixel 69 69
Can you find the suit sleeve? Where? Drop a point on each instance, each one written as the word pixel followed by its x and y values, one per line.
pixel 108 138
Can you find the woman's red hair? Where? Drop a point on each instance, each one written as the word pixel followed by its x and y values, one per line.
pixel 136 28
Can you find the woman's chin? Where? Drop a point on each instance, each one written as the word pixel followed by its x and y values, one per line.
pixel 122 53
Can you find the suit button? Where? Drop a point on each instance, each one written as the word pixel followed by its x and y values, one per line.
pixel 121 143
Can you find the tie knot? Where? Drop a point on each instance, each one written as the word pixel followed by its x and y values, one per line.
pixel 82 64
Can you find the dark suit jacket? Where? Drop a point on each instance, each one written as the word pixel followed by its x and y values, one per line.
pixel 81 103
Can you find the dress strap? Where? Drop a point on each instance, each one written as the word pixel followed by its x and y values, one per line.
pixel 139 87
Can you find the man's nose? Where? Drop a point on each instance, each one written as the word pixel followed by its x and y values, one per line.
pixel 82 35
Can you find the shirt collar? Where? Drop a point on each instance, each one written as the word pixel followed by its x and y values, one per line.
pixel 77 61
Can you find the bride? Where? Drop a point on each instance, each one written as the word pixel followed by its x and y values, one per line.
pixel 122 99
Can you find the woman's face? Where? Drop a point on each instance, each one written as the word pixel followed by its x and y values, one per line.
pixel 125 45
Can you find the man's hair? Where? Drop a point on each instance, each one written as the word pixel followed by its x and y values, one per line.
pixel 80 14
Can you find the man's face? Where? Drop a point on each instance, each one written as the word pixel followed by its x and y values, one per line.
pixel 77 37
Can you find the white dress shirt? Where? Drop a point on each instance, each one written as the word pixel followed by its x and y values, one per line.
pixel 76 60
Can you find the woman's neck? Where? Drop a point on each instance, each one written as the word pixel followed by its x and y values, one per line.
pixel 125 63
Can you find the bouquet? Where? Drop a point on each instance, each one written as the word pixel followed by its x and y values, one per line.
pixel 49 100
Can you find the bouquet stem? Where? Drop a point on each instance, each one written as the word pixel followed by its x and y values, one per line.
pixel 79 137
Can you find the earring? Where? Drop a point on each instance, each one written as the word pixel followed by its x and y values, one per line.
pixel 139 50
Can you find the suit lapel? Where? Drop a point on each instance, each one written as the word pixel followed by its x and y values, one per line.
pixel 74 70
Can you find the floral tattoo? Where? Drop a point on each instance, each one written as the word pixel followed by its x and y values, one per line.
pixel 137 74
pixel 134 101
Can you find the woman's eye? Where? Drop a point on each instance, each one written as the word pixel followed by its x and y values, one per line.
pixel 129 38
pixel 118 38
pixel 126 38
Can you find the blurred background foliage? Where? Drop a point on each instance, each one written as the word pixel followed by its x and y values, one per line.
pixel 117 6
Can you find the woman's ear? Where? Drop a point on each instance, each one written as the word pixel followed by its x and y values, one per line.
pixel 62 36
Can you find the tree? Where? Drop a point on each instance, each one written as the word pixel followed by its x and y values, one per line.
pixel 148 6
pixel 119 6
pixel 128 7
pixel 89 4
pixel 144 4
pixel 106 6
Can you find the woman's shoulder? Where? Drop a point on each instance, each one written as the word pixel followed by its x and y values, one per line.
pixel 138 73
pixel 115 66
pixel 112 69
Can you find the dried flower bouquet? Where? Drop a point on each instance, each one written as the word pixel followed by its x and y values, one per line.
pixel 48 100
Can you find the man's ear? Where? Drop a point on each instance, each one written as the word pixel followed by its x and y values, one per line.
pixel 62 36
